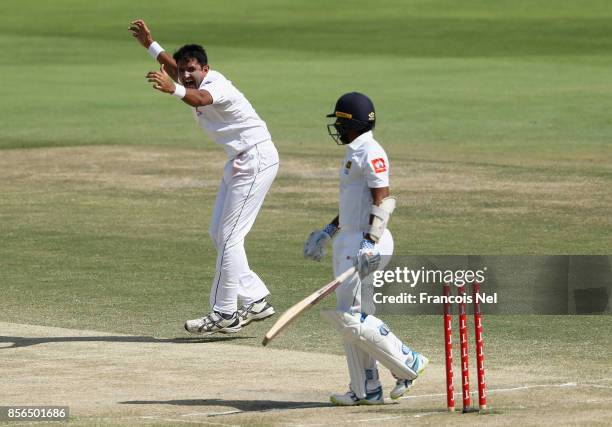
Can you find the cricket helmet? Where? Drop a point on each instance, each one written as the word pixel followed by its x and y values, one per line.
pixel 353 111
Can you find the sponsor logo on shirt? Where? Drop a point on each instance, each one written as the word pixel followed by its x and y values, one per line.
pixel 379 165
pixel 347 167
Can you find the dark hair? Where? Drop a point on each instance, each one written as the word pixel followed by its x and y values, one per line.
pixel 191 51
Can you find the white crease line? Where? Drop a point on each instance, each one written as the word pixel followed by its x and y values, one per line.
pixel 425 414
pixel 597 400
pixel 598 386
pixel 528 387
pixel 502 390
pixel 551 385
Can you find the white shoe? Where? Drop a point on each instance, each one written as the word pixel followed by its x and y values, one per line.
pixel 350 399
pixel 213 323
pixel 402 386
pixel 255 311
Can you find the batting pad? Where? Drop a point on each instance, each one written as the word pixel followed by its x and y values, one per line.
pixel 371 335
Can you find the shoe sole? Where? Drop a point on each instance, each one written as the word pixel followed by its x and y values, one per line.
pixel 397 396
pixel 224 331
pixel 269 312
pixel 219 331
pixel 338 403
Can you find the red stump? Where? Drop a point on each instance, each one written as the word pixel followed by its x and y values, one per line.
pixel 482 397
pixel 448 348
pixel 463 341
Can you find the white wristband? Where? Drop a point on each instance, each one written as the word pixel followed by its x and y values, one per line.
pixel 179 91
pixel 155 49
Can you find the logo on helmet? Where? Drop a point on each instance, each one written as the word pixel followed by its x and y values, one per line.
pixel 344 115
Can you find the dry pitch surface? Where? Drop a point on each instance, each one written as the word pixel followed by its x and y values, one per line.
pixel 111 379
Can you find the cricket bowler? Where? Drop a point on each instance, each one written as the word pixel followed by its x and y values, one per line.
pixel 361 239
pixel 238 295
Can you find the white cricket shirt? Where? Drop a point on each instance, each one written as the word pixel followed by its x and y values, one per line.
pixel 365 166
pixel 230 120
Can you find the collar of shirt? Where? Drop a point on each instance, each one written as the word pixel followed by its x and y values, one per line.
pixel 208 78
pixel 360 140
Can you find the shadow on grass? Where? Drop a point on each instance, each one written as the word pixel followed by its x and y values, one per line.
pixel 26 342
pixel 239 405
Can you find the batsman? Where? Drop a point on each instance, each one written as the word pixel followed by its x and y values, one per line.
pixel 362 239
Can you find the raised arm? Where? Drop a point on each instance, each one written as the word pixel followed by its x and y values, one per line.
pixel 162 82
pixel 141 32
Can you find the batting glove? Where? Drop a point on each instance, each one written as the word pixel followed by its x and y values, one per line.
pixel 368 258
pixel 314 248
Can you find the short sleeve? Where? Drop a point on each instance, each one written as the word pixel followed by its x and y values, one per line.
pixel 217 89
pixel 377 168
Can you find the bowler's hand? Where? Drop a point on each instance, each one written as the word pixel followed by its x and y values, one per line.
pixel 141 32
pixel 161 80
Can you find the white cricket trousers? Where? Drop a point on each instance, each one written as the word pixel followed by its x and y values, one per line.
pixel 361 365
pixel 246 181
pixel 346 246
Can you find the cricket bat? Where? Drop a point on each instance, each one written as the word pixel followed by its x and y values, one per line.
pixel 296 310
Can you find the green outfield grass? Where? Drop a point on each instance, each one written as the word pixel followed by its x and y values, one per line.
pixel 496 118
